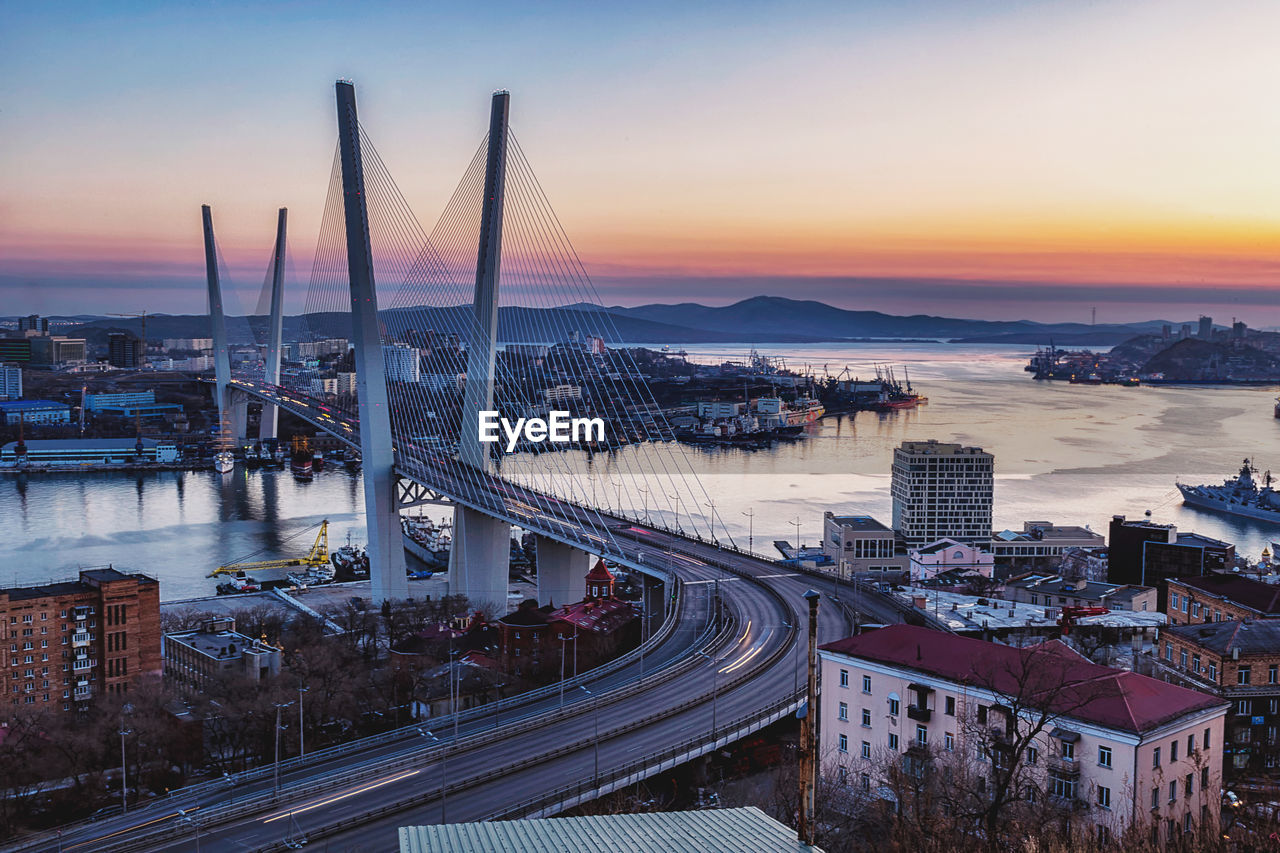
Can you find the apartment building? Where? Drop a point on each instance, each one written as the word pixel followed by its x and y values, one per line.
pixel 1041 543
pixel 942 491
pixel 1239 661
pixel 1112 748
pixel 1055 590
pixel 1220 598
pixel 215 652
pixel 70 641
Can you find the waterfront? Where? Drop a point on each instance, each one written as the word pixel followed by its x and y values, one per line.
pixel 1073 454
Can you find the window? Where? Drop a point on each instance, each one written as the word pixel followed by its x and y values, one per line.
pixel 1176 598
pixel 1244 707
pixel 1173 751
pixel 844 743
pixel 1155 797
pixel 1273 706
pixel 1186 786
pixel 1155 757
pixel 844 710
pixel 1195 663
pixel 844 678
pixel 866 749
pixel 1272 673
pixel 866 718
pixel 1033 754
pixel 1204 778
pixel 1191 743
pixel 922 735
pixel 1205 739
pixel 866 684
pixel 1182 658
pixel 1062 786
pixel 1068 750
pixel 894 706
pixel 1173 790
pixel 1104 756
pixel 1186 604
pixel 1212 670
pixel 982 714
pixel 950 706
pixel 844 775
pixel 1104 797
pixel 1244 675
pixel 893 742
pixel 949 741
pixel 1168 651
pixel 866 782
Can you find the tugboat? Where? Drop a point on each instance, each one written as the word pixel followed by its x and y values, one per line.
pixel 1239 495
pixel 300 461
pixel 238 583
pixel 253 455
pixel 350 562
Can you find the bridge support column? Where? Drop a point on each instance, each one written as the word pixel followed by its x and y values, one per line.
pixel 275 331
pixel 381 513
pixel 480 559
pixel 561 569
pixel 482 340
pixel 217 320
pixel 238 415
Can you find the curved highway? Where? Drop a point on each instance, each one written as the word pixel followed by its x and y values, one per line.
pixel 694 687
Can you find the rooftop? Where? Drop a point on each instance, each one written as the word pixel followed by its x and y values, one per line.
pixel 86 444
pixel 73 587
pixel 745 830
pixel 223 645
pixel 1256 595
pixel 1251 637
pixel 30 405
pixel 860 522
pixel 1056 584
pixel 1049 675
pixel 971 613
pixel 599 616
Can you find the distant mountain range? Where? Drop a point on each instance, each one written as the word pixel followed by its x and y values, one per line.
pixel 760 319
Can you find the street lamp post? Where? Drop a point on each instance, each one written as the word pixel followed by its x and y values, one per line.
pixel 799 544
pixel 644 490
pixel 444 777
pixel 275 785
pixel 124 771
pixel 676 498
pixel 302 729
pixel 715 680
pixel 751 518
pixel 596 777
pixel 712 520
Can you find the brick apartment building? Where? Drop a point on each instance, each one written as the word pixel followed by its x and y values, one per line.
pixel 1239 661
pixel 1220 598
pixel 68 642
pixel 1114 749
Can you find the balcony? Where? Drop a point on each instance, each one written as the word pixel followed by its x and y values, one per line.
pixel 83 665
pixel 82 638
pixel 82 692
pixel 919 714
pixel 1064 766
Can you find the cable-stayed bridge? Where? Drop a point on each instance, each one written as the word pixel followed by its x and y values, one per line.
pixel 725 661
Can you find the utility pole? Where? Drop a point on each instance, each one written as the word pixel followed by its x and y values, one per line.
pixel 808 739
pixel 302 729
pixel 751 521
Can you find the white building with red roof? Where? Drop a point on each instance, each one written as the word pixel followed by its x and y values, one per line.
pixel 1111 747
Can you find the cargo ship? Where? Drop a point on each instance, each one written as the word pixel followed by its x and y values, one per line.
pixel 426 541
pixel 1239 495
pixel 893 395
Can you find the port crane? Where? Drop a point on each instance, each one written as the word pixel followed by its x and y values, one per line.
pixel 316 557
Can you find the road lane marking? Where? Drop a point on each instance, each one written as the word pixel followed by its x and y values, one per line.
pixel 130 829
pixel 318 803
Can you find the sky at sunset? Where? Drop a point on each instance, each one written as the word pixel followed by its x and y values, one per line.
pixel 1008 160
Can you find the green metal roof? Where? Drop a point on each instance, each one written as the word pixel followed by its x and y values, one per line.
pixel 745 830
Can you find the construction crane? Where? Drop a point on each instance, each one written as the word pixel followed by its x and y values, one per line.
pixel 1071 614
pixel 316 557
pixel 143 315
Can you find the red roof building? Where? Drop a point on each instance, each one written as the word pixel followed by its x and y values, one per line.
pixel 1112 747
